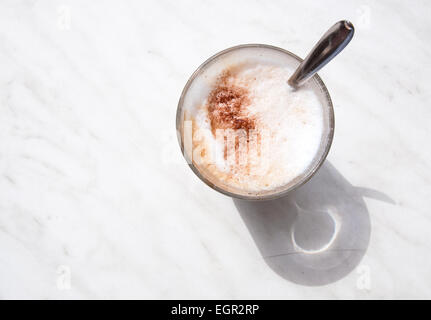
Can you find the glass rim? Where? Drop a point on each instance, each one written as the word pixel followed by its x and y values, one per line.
pixel 305 177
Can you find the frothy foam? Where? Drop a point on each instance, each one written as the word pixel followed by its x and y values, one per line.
pixel 251 130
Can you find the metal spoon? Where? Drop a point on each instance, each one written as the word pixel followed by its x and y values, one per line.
pixel 331 44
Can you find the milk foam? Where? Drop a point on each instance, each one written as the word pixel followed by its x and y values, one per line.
pixel 290 125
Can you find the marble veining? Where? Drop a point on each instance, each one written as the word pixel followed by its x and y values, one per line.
pixel 96 200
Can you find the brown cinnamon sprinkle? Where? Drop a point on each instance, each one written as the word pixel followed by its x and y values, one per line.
pixel 226 109
pixel 226 104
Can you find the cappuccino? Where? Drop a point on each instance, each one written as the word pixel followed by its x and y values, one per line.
pixel 248 131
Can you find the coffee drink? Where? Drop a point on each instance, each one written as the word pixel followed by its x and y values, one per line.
pixel 245 130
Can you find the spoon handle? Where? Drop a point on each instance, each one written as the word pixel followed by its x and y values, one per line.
pixel 331 44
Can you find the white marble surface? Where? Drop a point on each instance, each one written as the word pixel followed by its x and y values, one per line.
pixel 96 200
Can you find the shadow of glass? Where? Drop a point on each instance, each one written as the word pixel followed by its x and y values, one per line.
pixel 315 235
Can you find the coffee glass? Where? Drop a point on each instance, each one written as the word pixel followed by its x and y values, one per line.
pixel 193 88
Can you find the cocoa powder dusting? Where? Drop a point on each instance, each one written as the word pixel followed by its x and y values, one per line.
pixel 226 106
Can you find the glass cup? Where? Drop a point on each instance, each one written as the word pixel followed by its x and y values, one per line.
pixel 197 88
